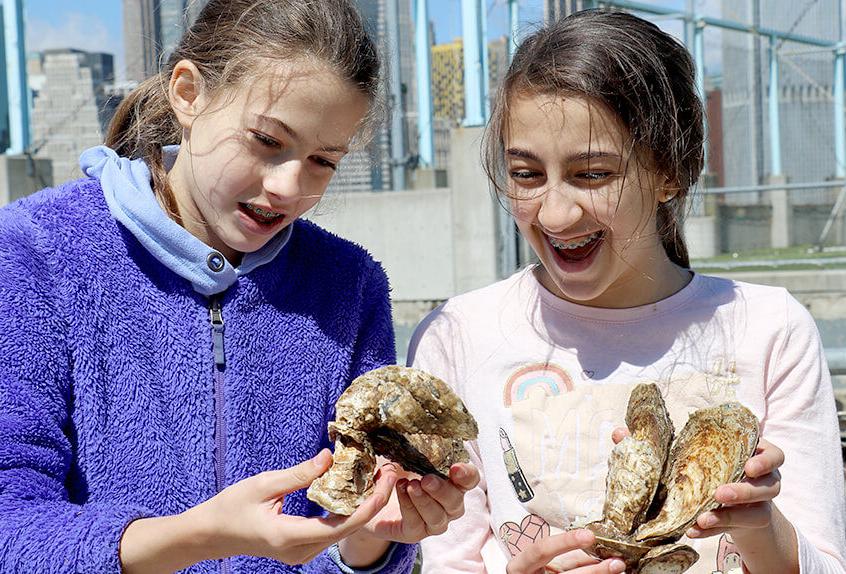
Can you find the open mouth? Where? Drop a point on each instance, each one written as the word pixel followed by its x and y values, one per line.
pixel 576 249
pixel 260 215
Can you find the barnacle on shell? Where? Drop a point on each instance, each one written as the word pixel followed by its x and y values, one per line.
pixel 654 493
pixel 403 414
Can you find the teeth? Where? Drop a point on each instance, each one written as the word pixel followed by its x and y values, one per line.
pixel 559 244
pixel 263 213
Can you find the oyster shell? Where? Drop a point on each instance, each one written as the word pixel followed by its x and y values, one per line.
pixel 654 493
pixel 403 414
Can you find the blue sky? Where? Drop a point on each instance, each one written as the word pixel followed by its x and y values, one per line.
pixel 96 25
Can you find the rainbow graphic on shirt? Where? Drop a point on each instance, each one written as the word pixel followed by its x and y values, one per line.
pixel 549 378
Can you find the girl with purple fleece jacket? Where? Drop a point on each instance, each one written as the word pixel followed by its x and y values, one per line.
pixel 173 340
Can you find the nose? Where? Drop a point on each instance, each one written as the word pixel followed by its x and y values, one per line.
pixel 284 182
pixel 560 208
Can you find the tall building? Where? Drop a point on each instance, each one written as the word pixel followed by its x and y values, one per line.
pixel 555 9
pixel 140 39
pixel 71 110
pixel 151 31
pixel 14 108
pixel 370 169
pixel 448 75
pixel 448 81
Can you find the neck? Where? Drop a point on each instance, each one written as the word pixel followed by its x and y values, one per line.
pixel 180 180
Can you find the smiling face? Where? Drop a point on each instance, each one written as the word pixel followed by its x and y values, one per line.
pixel 586 203
pixel 255 158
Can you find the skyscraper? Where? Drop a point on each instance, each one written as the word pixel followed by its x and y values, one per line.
pixel 370 168
pixel 448 76
pixel 151 31
pixel 70 111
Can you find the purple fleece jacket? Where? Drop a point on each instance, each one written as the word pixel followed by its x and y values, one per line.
pixel 112 407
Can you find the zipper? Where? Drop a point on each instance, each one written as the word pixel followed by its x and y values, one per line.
pixel 217 327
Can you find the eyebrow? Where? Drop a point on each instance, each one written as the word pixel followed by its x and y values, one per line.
pixel 296 137
pixel 581 156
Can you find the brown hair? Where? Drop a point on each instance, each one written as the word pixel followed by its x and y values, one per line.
pixel 227 41
pixel 638 71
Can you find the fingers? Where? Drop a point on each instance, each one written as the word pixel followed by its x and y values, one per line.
pixel 750 491
pixel 435 517
pixel 464 476
pixel 276 483
pixel 758 515
pixel 539 554
pixel 619 434
pixel 768 458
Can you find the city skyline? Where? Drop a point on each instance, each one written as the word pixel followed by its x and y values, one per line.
pixel 96 26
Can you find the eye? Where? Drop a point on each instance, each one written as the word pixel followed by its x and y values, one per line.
pixel 323 162
pixel 594 175
pixel 265 140
pixel 523 174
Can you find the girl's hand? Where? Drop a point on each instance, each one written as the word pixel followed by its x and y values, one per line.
pixel 424 506
pixel 535 559
pixel 246 518
pixel 747 505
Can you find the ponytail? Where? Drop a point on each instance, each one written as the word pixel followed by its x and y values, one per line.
pixel 142 124
pixel 669 229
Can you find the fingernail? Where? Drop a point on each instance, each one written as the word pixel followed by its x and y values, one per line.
pixel 617 565
pixel 709 521
pixel 431 483
pixel 728 494
pixel 320 460
pixel 584 537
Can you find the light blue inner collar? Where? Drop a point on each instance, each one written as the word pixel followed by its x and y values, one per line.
pixel 126 187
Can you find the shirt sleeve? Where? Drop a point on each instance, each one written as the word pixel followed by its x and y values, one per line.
pixel 438 348
pixel 801 419
pixel 42 529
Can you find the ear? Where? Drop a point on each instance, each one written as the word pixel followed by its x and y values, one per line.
pixel 667 190
pixel 186 92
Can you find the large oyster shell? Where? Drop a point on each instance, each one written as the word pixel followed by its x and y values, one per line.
pixel 653 497
pixel 403 414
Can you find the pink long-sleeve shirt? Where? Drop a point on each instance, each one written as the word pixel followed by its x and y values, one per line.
pixel 548 381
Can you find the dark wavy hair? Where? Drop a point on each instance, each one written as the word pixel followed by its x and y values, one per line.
pixel 639 72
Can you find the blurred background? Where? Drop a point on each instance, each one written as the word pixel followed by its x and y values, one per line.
pixel 769 206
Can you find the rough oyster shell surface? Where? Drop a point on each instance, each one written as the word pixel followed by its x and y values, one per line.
pixel 403 414
pixel 654 493
pixel 711 450
pixel 637 462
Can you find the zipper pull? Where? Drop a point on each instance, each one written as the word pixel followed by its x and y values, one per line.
pixel 216 320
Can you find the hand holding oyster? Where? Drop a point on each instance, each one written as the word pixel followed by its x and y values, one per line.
pixel 403 414
pixel 655 491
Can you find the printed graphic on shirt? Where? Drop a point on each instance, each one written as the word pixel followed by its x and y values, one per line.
pixel 728 557
pixel 556 453
pixel 517 537
pixel 515 473
pixel 550 379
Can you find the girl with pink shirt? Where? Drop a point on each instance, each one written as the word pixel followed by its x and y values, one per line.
pixel 595 141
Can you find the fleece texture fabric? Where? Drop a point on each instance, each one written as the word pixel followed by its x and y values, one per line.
pixel 112 407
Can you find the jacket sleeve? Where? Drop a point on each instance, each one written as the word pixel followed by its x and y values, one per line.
pixel 374 348
pixel 801 419
pixel 41 528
